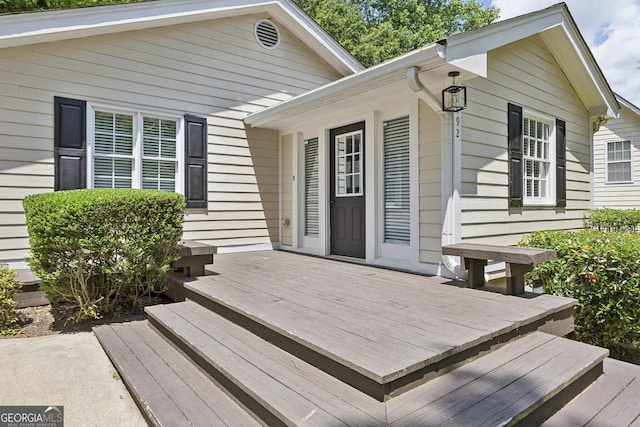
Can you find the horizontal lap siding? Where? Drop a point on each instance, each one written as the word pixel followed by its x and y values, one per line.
pixel 286 188
pixel 430 181
pixel 214 69
pixel 623 195
pixel 526 74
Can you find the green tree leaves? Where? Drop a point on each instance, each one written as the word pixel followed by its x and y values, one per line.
pixel 372 30
pixel 377 30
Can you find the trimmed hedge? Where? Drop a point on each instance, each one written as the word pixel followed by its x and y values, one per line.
pixel 102 249
pixel 605 219
pixel 602 271
pixel 9 287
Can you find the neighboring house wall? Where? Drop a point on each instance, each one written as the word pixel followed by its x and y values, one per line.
pixel 524 73
pixel 215 69
pixel 618 192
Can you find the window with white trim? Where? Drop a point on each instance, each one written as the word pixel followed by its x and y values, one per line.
pixel 538 151
pixel 619 161
pixel 311 188
pixel 134 150
pixel 397 214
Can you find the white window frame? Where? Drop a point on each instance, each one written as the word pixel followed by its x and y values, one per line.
pixel 407 175
pixel 550 198
pixel 138 116
pixel 360 174
pixel 315 184
pixel 607 161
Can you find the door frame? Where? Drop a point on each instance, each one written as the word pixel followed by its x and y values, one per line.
pixel 361 250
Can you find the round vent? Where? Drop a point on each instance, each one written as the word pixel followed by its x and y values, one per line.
pixel 267 34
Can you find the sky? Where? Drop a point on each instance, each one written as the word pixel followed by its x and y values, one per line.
pixel 611 28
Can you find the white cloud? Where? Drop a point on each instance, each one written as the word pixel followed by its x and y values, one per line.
pixel 610 28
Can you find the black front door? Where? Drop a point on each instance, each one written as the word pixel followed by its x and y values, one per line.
pixel 347 191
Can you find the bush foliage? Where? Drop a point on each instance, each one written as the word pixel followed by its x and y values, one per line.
pixel 602 271
pixel 606 219
pixel 103 249
pixel 9 287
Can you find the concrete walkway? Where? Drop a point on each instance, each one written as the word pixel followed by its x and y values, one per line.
pixel 70 370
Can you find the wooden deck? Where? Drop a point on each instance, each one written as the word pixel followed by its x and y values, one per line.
pixel 388 328
pixel 281 339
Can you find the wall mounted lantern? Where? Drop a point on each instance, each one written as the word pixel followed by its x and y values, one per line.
pixel 454 98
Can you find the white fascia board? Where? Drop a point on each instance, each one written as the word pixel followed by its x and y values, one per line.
pixel 365 80
pixel 482 40
pixel 557 27
pixel 628 104
pixel 38 27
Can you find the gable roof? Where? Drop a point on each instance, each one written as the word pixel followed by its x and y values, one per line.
pixel 38 27
pixel 467 52
pixel 635 109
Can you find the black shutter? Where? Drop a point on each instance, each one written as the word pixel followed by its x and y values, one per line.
pixel 515 155
pixel 69 144
pixel 561 163
pixel 196 161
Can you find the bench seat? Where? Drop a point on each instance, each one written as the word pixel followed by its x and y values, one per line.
pixel 194 256
pixel 518 262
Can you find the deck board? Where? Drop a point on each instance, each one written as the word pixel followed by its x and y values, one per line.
pixel 298 392
pixel 171 390
pixel 499 387
pixel 612 400
pixel 381 323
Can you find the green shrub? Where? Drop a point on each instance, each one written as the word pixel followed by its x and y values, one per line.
pixel 606 219
pixel 9 287
pixel 602 271
pixel 103 249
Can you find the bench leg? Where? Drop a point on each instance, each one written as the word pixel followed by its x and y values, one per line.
pixel 194 270
pixel 515 277
pixel 475 272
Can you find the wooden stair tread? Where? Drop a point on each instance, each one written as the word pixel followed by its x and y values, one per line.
pixel 168 387
pixel 387 343
pixel 294 391
pixel 501 387
pixel 612 400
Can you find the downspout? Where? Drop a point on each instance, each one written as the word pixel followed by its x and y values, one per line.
pixel 450 231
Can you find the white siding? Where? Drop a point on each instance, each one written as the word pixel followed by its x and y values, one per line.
pixel 286 189
pixel 526 74
pixel 214 69
pixel 614 195
pixel 430 171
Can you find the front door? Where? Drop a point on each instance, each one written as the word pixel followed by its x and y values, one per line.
pixel 347 214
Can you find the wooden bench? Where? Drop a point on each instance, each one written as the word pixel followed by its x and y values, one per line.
pixel 193 257
pixel 519 261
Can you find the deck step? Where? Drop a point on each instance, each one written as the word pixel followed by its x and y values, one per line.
pixel 169 389
pixel 612 400
pixel 382 346
pixel 526 380
pixel 277 386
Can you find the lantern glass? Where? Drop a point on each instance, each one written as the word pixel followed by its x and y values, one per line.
pixel 454 98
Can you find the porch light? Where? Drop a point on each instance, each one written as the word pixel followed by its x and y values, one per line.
pixel 454 98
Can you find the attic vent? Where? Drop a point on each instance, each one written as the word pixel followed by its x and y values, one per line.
pixel 267 34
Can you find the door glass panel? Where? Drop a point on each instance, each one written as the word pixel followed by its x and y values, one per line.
pixel 348 167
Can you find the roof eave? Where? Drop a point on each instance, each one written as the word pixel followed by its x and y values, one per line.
pixel 365 80
pixel 628 104
pixel 48 26
pixel 551 23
